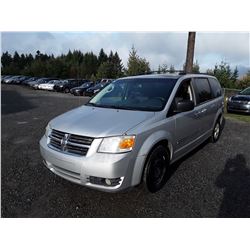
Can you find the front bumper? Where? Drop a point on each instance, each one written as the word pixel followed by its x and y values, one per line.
pixel 79 169
pixel 238 107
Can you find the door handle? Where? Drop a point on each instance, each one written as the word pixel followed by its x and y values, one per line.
pixel 199 113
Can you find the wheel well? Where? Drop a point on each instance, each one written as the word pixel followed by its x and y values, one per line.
pixel 219 119
pixel 162 142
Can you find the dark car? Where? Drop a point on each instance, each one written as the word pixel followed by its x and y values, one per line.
pixel 81 89
pixel 95 89
pixel 20 80
pixel 66 85
pixel 12 79
pixel 240 102
pixel 30 79
pixel 3 78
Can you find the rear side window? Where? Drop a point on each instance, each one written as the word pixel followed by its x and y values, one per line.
pixel 202 90
pixel 216 88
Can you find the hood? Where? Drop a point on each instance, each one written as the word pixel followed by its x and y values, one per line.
pixel 99 122
pixel 241 98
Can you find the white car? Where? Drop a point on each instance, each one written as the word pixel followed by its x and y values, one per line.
pixel 49 85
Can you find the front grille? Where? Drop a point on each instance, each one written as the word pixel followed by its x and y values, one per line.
pixel 70 143
pixel 240 102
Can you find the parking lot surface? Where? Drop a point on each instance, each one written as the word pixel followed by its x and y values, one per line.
pixel 212 181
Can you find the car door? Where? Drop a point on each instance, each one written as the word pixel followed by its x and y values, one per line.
pixel 187 127
pixel 205 105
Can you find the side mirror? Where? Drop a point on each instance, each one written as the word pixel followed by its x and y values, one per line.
pixel 184 106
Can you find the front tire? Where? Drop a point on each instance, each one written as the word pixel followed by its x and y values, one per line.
pixel 156 169
pixel 66 90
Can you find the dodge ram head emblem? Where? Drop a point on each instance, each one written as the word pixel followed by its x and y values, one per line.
pixel 64 141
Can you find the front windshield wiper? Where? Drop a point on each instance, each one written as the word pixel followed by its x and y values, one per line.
pixel 91 104
pixel 122 107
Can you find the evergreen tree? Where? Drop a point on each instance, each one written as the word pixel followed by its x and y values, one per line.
pixel 196 67
pixel 162 68
pixel 6 60
pixel 235 75
pixel 171 69
pixel 136 65
pixel 102 57
pixel 224 74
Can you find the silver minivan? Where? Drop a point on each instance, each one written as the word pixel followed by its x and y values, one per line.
pixel 133 130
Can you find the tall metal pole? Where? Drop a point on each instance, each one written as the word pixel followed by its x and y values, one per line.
pixel 190 52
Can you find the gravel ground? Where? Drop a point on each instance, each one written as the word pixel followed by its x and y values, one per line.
pixel 212 181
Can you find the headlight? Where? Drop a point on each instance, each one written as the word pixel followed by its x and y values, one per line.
pixel 96 90
pixel 248 103
pixel 48 130
pixel 117 144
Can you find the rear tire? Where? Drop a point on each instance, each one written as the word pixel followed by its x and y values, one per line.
pixel 66 90
pixel 216 131
pixel 156 169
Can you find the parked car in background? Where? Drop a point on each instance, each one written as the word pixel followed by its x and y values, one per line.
pixel 133 130
pixel 49 85
pixel 20 80
pixel 11 79
pixel 95 89
pixel 105 80
pixel 40 81
pixel 31 79
pixel 81 89
pixel 4 77
pixel 66 85
pixel 240 102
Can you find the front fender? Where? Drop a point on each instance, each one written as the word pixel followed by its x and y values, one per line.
pixel 147 146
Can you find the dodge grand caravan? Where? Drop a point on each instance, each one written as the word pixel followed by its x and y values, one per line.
pixel 133 130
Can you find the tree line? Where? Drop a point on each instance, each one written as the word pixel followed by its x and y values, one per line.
pixel 76 64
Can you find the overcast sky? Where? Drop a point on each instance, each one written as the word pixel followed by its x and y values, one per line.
pixel 157 48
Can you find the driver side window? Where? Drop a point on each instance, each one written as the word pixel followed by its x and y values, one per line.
pixel 184 93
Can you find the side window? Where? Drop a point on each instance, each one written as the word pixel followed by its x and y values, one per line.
pixel 216 88
pixel 184 92
pixel 202 90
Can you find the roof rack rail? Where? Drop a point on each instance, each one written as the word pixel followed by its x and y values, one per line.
pixel 164 72
pixel 194 73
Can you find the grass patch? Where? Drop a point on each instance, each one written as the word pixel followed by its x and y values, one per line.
pixel 244 118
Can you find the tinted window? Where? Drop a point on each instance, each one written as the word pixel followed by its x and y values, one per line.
pixel 203 90
pixel 215 86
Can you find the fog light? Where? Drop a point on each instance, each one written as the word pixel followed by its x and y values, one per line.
pixel 108 182
pixel 112 182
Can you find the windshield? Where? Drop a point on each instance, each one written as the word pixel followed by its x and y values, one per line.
pixel 245 92
pixel 148 94
pixel 85 85
pixel 42 80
